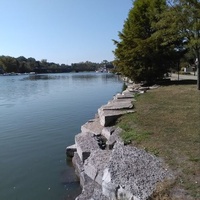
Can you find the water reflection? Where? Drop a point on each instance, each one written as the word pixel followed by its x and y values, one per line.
pixel 18 89
pixel 83 76
pixel 44 77
pixel 32 87
pixel 94 76
pixel 107 77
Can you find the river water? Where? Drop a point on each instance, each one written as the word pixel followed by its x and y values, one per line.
pixel 39 117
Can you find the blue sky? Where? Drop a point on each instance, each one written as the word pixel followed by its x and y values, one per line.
pixel 61 31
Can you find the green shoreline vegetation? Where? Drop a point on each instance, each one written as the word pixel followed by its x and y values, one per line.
pixel 167 124
pixel 21 64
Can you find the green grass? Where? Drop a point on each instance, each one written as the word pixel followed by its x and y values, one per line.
pixel 136 136
pixel 167 124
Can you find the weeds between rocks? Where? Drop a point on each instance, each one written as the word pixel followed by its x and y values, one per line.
pixel 167 124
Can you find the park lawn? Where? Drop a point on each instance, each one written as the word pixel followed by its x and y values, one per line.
pixel 167 124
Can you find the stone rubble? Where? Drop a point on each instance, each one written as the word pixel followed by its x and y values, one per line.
pixel 134 171
pixel 85 143
pixel 108 169
pixel 92 126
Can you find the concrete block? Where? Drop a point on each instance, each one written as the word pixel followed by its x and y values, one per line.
pixel 78 164
pixel 108 117
pixel 92 191
pixel 92 126
pixel 124 95
pixel 70 150
pixel 96 163
pixel 114 137
pixel 85 143
pixel 107 131
pixel 133 173
pixel 118 104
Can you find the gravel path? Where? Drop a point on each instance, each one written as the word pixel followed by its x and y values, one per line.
pixel 183 77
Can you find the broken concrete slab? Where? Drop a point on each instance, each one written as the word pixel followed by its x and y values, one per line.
pixel 118 104
pixel 70 150
pixel 85 143
pixel 77 163
pixel 98 195
pixel 84 179
pixel 108 117
pixel 92 191
pixel 96 163
pixel 112 134
pixel 114 137
pixel 133 173
pixel 134 88
pixel 92 126
pixel 107 131
pixel 144 89
pixel 126 95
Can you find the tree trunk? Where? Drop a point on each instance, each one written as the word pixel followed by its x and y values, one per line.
pixel 198 70
pixel 198 76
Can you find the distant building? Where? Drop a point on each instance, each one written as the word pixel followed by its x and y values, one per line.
pixel 190 68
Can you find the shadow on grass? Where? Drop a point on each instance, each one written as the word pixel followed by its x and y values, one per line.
pixel 176 82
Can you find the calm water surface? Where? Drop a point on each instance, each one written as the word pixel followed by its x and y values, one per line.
pixel 39 117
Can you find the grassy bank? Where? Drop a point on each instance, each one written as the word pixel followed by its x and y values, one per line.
pixel 167 124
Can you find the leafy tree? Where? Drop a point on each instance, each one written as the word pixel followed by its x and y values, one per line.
pixel 140 54
pixel 155 37
pixel 84 66
pixel 24 65
pixel 9 64
pixel 53 68
pixel 186 15
pixel 172 39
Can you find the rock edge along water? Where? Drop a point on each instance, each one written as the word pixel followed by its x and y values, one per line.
pixel 110 170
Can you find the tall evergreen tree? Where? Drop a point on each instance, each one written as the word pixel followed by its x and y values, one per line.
pixel 145 49
pixel 139 54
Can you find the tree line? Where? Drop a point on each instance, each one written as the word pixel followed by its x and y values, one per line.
pixel 157 37
pixel 21 64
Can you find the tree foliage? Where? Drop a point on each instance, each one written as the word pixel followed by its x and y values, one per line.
pixel 21 64
pixel 155 35
pixel 139 54
pixel 187 19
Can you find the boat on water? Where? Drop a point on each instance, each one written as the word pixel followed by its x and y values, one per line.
pixel 32 73
pixel 11 74
pixel 102 70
